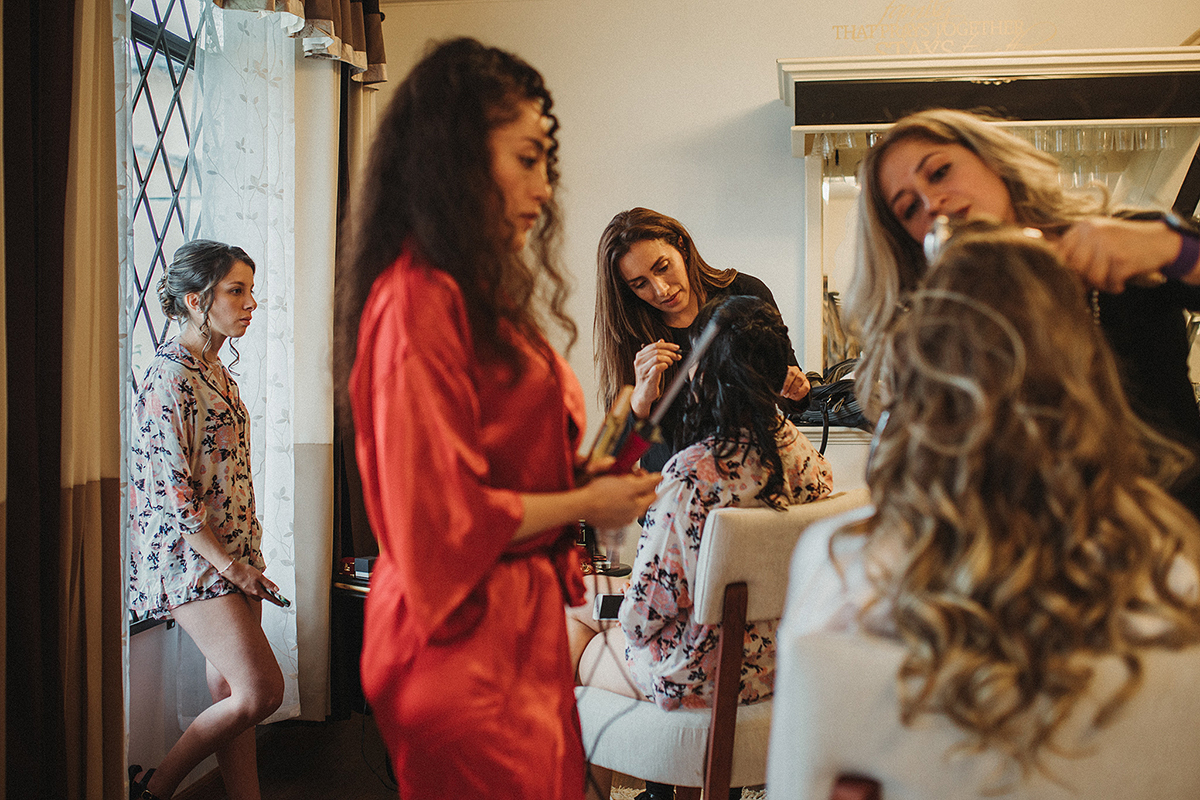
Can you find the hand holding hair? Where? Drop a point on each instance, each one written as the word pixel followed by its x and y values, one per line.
pixel 795 385
pixel 648 367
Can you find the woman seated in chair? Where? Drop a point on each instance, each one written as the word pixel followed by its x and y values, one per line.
pixel 735 449
pixel 1019 526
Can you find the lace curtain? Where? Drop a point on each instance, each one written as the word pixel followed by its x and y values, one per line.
pixel 245 70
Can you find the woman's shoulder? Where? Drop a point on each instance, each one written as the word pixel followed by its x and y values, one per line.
pixel 827 581
pixel 792 438
pixel 807 470
pixel 744 283
pixel 852 521
pixel 414 277
pixel 694 461
pixel 172 361
pixel 820 546
pixel 413 295
pixel 172 376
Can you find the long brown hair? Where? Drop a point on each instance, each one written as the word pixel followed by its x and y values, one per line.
pixel 428 185
pixel 624 322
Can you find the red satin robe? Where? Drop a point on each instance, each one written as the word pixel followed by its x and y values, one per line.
pixel 465 660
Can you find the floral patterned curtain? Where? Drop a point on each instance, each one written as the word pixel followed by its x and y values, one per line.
pixel 244 149
pixel 245 154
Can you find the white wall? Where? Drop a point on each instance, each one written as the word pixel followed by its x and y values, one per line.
pixel 674 105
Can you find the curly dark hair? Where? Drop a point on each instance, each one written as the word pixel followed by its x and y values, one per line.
pixel 735 391
pixel 428 185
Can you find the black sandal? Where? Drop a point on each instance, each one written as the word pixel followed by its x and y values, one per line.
pixel 137 789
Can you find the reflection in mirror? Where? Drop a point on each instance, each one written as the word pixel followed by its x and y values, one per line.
pixel 839 195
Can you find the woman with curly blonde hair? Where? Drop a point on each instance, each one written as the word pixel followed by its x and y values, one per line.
pixel 1019 529
pixel 1143 267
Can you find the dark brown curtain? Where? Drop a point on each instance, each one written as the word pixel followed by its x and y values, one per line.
pixel 353 30
pixel 64 717
pixel 38 45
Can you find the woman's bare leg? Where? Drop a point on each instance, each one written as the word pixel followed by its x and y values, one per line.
pixel 580 625
pixel 228 631
pixel 238 760
pixel 603 665
pixel 598 653
pixel 599 783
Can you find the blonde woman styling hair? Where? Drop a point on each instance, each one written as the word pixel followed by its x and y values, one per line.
pixel 1019 529
pixel 1142 267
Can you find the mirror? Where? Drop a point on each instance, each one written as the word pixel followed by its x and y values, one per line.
pixel 1140 165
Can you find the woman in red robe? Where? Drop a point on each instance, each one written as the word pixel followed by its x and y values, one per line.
pixel 467 425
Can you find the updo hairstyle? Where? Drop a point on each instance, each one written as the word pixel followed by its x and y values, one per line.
pixel 198 266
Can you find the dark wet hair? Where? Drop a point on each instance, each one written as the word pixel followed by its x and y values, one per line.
pixel 735 391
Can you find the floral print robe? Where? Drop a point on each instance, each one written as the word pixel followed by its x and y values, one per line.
pixel 190 464
pixel 672 659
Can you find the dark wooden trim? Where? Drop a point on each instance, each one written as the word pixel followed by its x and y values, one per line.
pixel 730 653
pixel 143 625
pixel 1041 97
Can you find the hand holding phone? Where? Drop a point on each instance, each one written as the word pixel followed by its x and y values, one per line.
pixel 277 598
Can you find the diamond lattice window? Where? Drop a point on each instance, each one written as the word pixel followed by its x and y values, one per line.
pixel 162 53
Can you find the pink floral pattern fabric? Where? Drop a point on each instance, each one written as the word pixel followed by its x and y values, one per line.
pixel 190 464
pixel 672 659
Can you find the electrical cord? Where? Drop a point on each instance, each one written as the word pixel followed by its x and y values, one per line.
pixel 618 659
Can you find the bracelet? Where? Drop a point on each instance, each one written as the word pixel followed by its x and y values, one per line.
pixel 1189 249
pixel 225 568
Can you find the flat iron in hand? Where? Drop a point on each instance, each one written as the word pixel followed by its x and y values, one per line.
pixel 629 446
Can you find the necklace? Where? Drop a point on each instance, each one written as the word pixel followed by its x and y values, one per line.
pixel 212 369
pixel 1095 297
pixel 220 379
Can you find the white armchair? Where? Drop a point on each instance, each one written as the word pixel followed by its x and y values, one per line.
pixel 742 575
pixel 837 733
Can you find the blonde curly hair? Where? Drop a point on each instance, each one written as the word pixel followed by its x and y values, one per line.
pixel 1025 495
